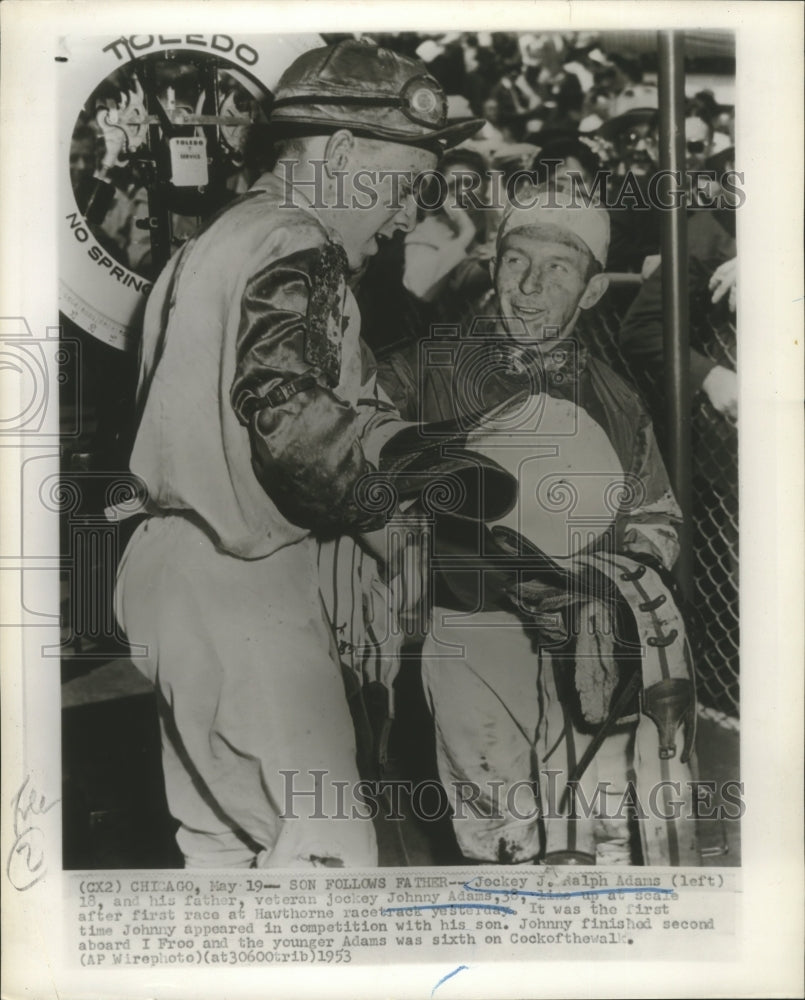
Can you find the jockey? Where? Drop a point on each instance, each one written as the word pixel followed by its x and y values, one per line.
pixel 545 681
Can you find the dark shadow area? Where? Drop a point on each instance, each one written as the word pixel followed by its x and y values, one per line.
pixel 115 814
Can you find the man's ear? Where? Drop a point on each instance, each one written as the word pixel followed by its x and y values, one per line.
pixel 338 150
pixel 493 263
pixel 596 287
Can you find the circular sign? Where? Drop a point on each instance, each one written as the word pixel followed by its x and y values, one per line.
pixel 153 130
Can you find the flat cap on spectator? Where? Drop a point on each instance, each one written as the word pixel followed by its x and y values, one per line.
pixel 634 105
pixel 372 91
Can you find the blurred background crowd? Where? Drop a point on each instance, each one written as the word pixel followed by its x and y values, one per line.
pixel 554 104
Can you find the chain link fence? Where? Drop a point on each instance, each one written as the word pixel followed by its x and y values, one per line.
pixel 715 491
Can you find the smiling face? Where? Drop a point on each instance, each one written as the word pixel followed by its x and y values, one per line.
pixel 541 278
pixel 380 176
pixel 638 148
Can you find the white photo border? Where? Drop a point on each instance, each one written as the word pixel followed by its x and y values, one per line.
pixel 769 152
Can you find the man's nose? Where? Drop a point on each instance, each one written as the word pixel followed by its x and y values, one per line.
pixel 405 218
pixel 531 282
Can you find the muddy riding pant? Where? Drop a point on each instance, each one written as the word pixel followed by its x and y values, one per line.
pixel 251 701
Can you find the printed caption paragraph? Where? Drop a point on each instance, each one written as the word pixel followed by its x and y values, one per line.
pixel 144 919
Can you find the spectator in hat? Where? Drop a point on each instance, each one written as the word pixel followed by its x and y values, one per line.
pixel 632 129
pixel 630 134
pixel 633 132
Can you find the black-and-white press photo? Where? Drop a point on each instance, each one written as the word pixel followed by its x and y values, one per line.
pixel 392 444
pixel 385 475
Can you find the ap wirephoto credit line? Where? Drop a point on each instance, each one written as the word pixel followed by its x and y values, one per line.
pixel 375 575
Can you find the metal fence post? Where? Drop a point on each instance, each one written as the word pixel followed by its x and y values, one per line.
pixel 674 249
